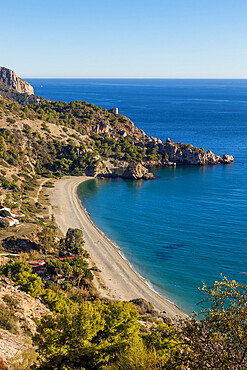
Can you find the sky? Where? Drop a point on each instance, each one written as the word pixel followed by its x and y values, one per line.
pixel 124 38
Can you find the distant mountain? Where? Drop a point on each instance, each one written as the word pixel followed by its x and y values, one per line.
pixel 11 79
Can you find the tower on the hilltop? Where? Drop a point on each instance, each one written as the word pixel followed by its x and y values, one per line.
pixel 115 110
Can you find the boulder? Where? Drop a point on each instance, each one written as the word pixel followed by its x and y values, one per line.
pixel 227 159
pixel 137 171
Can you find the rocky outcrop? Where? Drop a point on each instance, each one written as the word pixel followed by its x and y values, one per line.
pixel 28 308
pixel 100 170
pixel 131 171
pixel 11 79
pixel 226 159
pixel 137 171
pixel 180 153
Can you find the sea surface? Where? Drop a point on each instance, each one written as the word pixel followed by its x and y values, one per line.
pixel 190 224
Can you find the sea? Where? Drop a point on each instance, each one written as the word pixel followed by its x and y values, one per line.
pixel 189 225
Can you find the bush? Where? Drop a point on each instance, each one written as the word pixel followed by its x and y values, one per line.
pixel 21 274
pixel 10 120
pixel 4 224
pixel 85 336
pixel 9 300
pixel 218 340
pixel 8 321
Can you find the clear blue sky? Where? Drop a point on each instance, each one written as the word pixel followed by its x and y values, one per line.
pixel 125 38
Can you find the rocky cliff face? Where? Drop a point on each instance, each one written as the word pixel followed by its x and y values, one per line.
pixel 11 79
pixel 180 153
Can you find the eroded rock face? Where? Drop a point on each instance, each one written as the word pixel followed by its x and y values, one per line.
pixel 11 79
pixel 137 171
pixel 100 170
pixel 187 154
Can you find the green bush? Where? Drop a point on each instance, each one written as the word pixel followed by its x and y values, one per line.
pixel 8 321
pixel 21 274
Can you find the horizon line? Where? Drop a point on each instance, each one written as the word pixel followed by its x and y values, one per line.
pixel 143 78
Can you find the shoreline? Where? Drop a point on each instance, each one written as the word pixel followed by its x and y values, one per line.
pixel 117 278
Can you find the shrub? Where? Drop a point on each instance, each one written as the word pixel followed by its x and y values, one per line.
pixel 4 223
pixel 8 321
pixel 9 300
pixel 21 274
pixel 10 120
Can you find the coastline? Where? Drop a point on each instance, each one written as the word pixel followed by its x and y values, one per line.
pixel 117 279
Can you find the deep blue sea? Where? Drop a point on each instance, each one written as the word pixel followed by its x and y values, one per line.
pixel 190 224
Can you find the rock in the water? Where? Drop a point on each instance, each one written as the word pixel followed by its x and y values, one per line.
pixel 11 79
pixel 137 171
pixel 148 176
pixel 227 159
pixel 169 164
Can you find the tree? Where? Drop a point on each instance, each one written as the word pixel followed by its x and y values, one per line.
pixel 86 336
pixel 74 270
pixel 21 274
pixel 47 237
pixel 219 340
pixel 73 243
pixel 2 146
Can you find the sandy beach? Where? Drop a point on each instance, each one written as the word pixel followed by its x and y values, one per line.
pixel 116 279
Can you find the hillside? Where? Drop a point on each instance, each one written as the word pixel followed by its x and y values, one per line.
pixel 21 312
pixel 56 138
pixel 52 315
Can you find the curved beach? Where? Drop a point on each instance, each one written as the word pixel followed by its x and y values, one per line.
pixel 117 279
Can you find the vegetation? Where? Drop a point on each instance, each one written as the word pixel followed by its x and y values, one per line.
pixel 73 243
pixel 71 271
pixel 219 340
pixel 96 335
pixel 8 321
pixel 3 223
pixel 84 331
pixel 91 335
pixel 13 95
pixel 21 274
pixel 75 156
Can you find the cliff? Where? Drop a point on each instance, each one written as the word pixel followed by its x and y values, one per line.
pixel 11 79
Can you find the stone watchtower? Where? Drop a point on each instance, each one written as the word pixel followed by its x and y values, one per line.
pixel 115 110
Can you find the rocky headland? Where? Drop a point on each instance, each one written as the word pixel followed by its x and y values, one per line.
pixel 80 138
pixel 11 79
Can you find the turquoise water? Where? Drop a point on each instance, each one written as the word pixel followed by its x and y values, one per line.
pixel 177 230
pixel 189 224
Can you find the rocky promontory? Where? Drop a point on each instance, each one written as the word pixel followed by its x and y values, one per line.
pixel 79 138
pixel 181 153
pixel 11 79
